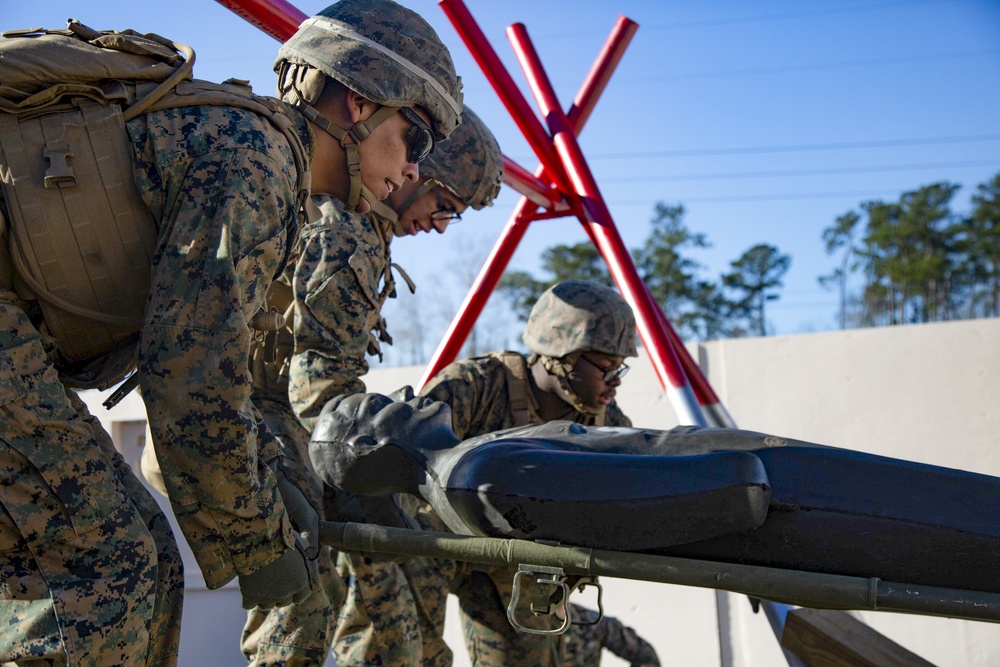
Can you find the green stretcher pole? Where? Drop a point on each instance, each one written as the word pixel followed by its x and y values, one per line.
pixel 807 589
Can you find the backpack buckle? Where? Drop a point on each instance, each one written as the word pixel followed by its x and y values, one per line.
pixel 60 172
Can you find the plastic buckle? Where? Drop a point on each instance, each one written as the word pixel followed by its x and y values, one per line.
pixel 60 172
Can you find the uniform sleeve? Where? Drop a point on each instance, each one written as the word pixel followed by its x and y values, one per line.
pixel 224 197
pixel 335 286
pixel 626 644
pixel 616 417
pixel 464 386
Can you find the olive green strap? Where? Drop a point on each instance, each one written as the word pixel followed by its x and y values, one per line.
pixel 358 133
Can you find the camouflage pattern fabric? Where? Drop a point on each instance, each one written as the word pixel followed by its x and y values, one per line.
pixel 299 634
pixel 335 276
pixel 582 644
pixel 477 391
pixel 430 580
pixel 489 637
pixel 378 623
pixel 225 200
pixel 89 571
pixel 320 268
pixel 578 315
pixel 339 278
pixel 395 612
pixel 469 163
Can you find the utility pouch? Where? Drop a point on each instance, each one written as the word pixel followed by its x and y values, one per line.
pixel 80 238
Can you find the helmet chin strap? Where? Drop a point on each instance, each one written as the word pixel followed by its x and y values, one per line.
pixel 561 369
pixel 349 140
pixel 385 212
pixel 393 215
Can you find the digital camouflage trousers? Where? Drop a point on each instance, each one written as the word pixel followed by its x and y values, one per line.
pixel 90 573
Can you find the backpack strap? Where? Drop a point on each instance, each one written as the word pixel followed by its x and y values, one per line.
pixel 517 386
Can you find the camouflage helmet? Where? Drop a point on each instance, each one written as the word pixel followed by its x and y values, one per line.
pixel 469 163
pixel 578 315
pixel 383 51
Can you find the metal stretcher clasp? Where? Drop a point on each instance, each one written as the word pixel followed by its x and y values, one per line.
pixel 548 589
pixel 592 581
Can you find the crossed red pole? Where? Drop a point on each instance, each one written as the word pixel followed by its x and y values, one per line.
pixel 562 185
pixel 568 169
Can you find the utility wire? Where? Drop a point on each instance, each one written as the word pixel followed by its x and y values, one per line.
pixel 810 67
pixel 738 175
pixel 789 196
pixel 794 148
pixel 759 18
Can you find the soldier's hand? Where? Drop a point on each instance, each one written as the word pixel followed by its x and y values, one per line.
pixel 290 578
pixel 304 517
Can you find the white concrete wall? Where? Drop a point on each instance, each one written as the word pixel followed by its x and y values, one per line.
pixel 925 393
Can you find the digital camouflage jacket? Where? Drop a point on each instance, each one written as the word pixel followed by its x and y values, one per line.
pixel 224 198
pixel 481 396
pixel 339 277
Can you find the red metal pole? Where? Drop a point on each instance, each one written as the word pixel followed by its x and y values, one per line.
pixel 600 73
pixel 489 275
pixel 506 89
pixel 277 18
pixel 715 411
pixel 665 360
pixel 597 79
pixel 480 292
pixel 532 187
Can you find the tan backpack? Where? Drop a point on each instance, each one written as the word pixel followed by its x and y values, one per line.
pixel 78 234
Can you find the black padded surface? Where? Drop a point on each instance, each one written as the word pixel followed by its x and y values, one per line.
pixel 607 501
pixel 845 512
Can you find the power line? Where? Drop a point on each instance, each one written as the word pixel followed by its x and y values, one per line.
pixel 844 145
pixel 784 69
pixel 791 196
pixel 737 175
pixel 759 18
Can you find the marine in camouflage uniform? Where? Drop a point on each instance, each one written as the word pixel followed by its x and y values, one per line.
pixel 91 574
pixel 338 276
pixel 583 642
pixel 394 613
pixel 334 288
pixel 500 391
pixel 323 271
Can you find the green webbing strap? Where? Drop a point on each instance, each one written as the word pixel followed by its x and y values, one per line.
pixel 358 133
pixel 427 186
pixel 182 72
pixel 517 387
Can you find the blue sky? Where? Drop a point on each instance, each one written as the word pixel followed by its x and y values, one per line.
pixel 766 119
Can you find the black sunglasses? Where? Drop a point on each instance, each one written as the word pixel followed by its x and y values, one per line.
pixel 444 210
pixel 419 138
pixel 610 374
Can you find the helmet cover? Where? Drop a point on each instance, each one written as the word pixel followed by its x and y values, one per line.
pixel 579 315
pixel 383 51
pixel 469 163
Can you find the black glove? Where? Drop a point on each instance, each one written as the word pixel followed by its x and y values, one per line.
pixel 290 578
pixel 304 517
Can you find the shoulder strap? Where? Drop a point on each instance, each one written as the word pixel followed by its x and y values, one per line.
pixel 517 386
